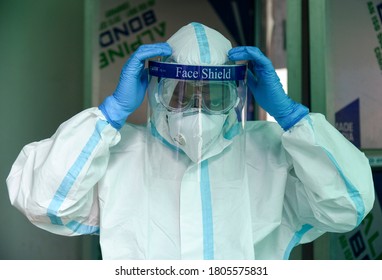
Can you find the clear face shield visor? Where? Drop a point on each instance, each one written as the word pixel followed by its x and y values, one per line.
pixel 195 111
pixel 212 97
pixel 213 90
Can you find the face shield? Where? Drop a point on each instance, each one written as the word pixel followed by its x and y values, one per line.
pixel 196 110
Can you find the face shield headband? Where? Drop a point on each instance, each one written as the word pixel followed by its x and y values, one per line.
pixel 212 89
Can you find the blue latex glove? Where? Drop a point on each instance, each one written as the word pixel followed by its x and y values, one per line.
pixel 132 85
pixel 267 89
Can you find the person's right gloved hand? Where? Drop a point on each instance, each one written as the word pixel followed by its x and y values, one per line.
pixel 132 85
pixel 267 89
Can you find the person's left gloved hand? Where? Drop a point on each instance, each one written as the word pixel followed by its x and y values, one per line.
pixel 132 85
pixel 267 89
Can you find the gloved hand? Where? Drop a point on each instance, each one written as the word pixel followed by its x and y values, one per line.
pixel 132 85
pixel 267 89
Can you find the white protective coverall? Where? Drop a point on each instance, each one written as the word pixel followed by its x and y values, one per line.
pixel 90 178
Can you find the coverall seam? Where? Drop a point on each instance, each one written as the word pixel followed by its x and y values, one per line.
pixel 74 172
pixel 296 239
pixel 353 193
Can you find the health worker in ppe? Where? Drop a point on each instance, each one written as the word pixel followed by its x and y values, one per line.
pixel 198 181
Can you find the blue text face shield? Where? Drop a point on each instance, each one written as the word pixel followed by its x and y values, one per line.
pixel 196 110
pixel 211 89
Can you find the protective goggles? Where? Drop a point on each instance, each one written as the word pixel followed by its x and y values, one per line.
pixel 213 89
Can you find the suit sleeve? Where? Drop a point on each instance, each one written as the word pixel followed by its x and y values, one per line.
pixel 330 186
pixel 53 182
